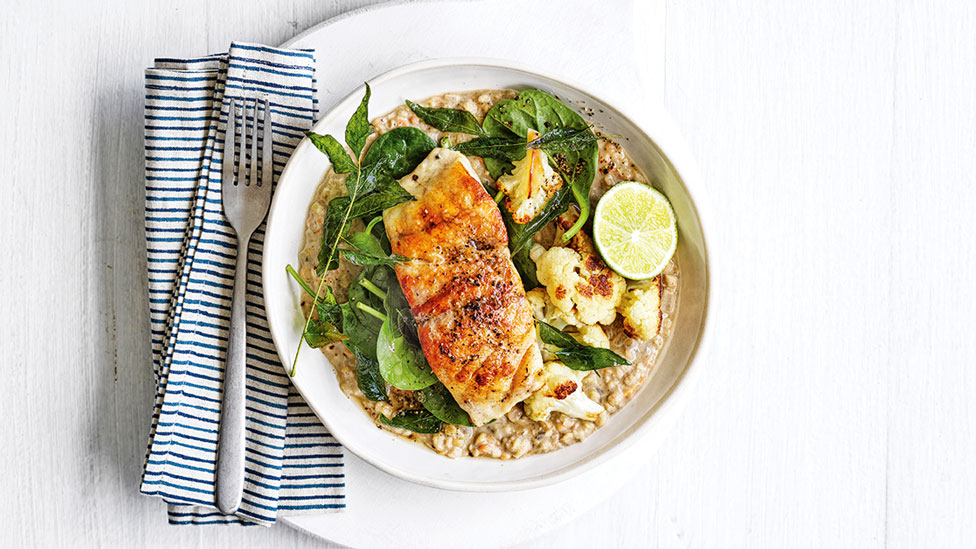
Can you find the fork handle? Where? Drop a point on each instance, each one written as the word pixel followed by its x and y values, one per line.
pixel 230 450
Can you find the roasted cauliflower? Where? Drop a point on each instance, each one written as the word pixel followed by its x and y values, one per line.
pixel 580 286
pixel 531 184
pixel 641 309
pixel 592 336
pixel 562 392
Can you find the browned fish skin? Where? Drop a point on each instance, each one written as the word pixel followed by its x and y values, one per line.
pixel 475 324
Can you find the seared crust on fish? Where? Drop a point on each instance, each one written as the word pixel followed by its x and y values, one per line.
pixel 475 324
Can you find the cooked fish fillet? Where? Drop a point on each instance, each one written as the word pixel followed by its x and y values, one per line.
pixel 474 321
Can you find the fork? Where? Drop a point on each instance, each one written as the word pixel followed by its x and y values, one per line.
pixel 245 203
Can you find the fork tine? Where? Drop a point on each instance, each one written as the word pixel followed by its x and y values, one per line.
pixel 266 156
pixel 242 147
pixel 254 146
pixel 230 134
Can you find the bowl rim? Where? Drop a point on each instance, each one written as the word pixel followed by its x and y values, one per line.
pixel 674 152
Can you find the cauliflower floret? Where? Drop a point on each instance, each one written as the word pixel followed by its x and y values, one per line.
pixel 641 309
pixel 537 299
pixel 557 271
pixel 536 251
pixel 544 310
pixel 562 392
pixel 592 336
pixel 580 286
pixel 531 184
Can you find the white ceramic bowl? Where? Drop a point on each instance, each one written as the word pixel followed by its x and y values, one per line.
pixel 654 144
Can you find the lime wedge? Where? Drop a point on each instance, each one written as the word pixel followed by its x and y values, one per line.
pixel 635 231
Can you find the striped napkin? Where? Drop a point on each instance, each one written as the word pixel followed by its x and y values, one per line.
pixel 293 465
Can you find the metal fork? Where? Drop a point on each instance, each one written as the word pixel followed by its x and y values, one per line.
pixel 245 204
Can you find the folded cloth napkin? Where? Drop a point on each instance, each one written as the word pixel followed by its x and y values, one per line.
pixel 293 465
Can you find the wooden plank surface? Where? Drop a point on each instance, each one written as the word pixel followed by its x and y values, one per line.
pixel 838 144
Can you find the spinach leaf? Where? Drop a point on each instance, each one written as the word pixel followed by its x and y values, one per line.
pixel 361 338
pixel 402 322
pixel 440 402
pixel 367 251
pixel 358 129
pixel 397 152
pixel 574 354
pixel 448 120
pixel 360 327
pixel 368 377
pixel 506 148
pixel 401 364
pixel 418 421
pixel 539 111
pixel 384 277
pixel 378 230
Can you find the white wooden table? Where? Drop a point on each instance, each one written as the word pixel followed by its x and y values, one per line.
pixel 838 141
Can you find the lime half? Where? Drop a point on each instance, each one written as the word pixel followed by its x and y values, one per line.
pixel 635 231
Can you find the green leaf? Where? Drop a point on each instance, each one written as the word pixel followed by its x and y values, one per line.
pixel 368 377
pixel 360 327
pixel 327 328
pixel 397 152
pixel 366 243
pixel 384 277
pixel 402 365
pixel 564 140
pixel 386 194
pixel 418 421
pixel 359 184
pixel 498 168
pixel 321 333
pixel 341 162
pixel 328 309
pixel 401 319
pixel 358 128
pixel 440 402
pixel 448 120
pixel 366 251
pixel 539 111
pixel 379 231
pixel 332 229
pixel 551 335
pixel 526 269
pixel 574 354
pixel 361 338
pixel 505 148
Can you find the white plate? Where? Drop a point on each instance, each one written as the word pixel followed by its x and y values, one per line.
pixel 652 143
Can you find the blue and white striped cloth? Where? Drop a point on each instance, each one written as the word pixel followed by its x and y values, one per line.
pixel 293 465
